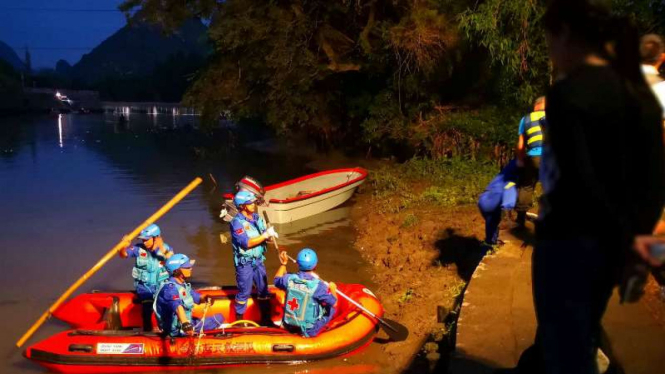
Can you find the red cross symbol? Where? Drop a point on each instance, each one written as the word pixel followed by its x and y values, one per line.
pixel 293 304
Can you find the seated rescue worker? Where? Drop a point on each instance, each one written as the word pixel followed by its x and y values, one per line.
pixel 499 195
pixel 175 301
pixel 249 236
pixel 310 302
pixel 148 272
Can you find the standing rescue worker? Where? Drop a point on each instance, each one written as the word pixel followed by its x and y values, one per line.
pixel 175 301
pixel 529 150
pixel 500 194
pixel 249 236
pixel 310 303
pixel 148 272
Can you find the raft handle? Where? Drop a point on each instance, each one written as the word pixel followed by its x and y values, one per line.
pixel 283 348
pixel 80 348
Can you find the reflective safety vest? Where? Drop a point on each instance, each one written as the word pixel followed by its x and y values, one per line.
pixel 533 132
pixel 301 309
pixel 149 268
pixel 185 294
pixel 241 255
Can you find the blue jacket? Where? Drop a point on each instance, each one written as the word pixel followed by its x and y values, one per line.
pixel 242 230
pixel 321 298
pixel 501 191
pixel 171 295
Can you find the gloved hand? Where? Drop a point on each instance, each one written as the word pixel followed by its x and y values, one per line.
pixel 271 233
pixel 187 328
pixel 207 299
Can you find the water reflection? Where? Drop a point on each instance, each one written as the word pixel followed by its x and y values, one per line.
pixel 66 203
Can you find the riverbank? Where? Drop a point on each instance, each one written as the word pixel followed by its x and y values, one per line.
pixel 418 226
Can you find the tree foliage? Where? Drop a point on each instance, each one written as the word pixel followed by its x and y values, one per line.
pixel 386 75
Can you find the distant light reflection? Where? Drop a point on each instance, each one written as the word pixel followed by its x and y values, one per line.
pixel 60 129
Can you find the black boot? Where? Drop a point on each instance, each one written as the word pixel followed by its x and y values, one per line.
pixel 240 316
pixel 264 307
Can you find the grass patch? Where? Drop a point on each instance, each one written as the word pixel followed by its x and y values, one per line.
pixel 404 298
pixel 409 221
pixel 445 182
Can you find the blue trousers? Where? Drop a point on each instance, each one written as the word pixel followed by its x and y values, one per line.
pixel 247 275
pixel 211 323
pixel 146 295
pixel 572 283
pixel 492 221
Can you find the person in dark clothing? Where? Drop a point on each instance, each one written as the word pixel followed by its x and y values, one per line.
pixel 528 151
pixel 603 152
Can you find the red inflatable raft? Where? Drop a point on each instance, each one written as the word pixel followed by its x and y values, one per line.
pixel 107 338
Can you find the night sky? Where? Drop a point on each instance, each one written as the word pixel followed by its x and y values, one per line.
pixel 57 29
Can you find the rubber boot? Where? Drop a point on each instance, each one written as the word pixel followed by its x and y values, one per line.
pixel 264 307
pixel 239 316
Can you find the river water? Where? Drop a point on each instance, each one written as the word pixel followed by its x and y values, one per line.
pixel 72 185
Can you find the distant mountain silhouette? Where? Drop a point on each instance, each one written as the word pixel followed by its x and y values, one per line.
pixel 134 51
pixel 8 54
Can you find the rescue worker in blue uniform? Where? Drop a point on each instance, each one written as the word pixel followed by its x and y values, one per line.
pixel 500 195
pixel 529 151
pixel 249 236
pixel 175 301
pixel 148 272
pixel 310 302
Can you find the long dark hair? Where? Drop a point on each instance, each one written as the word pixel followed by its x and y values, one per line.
pixel 592 24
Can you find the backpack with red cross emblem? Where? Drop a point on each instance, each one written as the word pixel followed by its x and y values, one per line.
pixel 301 309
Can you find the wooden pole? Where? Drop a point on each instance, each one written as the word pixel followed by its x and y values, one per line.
pixel 108 256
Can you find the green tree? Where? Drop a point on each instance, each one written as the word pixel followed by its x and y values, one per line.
pixel 413 76
pixel 324 67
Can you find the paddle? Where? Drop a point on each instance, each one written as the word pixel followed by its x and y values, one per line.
pixel 185 191
pixel 395 331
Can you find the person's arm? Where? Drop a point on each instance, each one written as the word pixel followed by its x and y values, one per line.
pixel 196 296
pixel 162 249
pixel 283 260
pixel 186 324
pixel 241 237
pixel 325 296
pixel 129 251
pixel 126 245
pixel 253 242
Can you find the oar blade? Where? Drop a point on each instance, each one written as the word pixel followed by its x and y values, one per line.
pixel 395 331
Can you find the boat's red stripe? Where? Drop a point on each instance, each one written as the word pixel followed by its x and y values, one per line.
pixel 361 171
pixel 252 184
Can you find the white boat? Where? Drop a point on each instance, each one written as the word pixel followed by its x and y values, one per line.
pixel 306 196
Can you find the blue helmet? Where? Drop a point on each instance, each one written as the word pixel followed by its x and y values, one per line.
pixel 150 232
pixel 307 259
pixel 178 261
pixel 243 197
